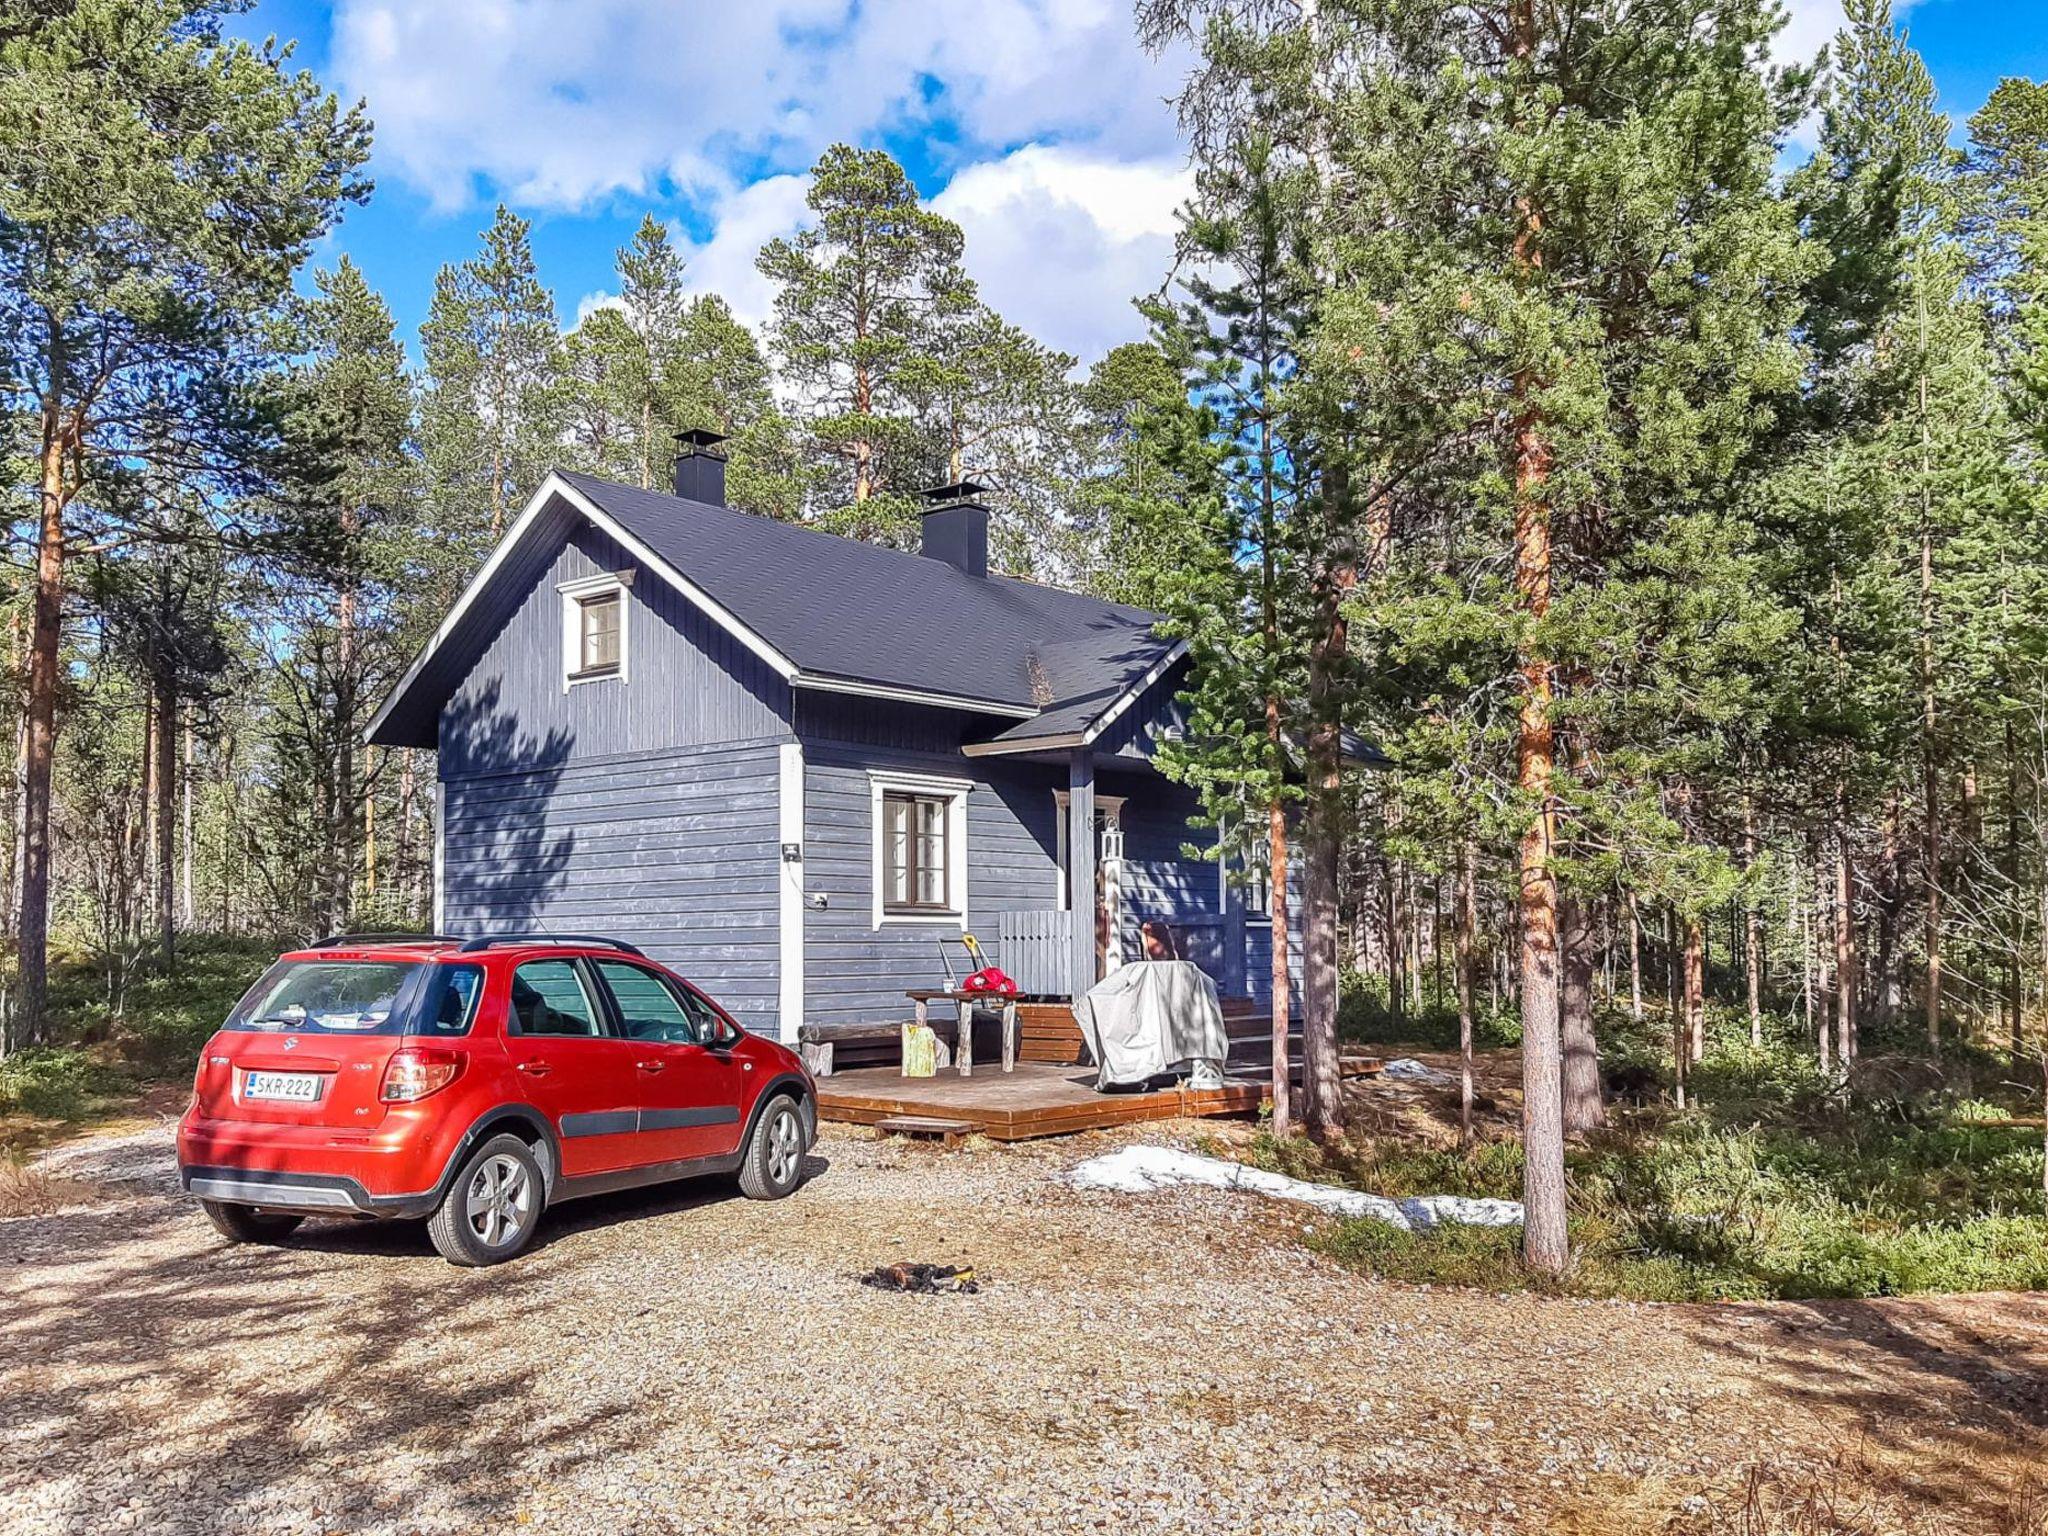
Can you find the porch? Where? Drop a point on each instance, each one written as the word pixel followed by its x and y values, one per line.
pixel 1049 1092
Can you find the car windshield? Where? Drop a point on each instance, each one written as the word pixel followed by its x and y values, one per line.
pixel 341 997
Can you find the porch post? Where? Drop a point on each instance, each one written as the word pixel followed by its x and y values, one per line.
pixel 1081 867
pixel 1233 926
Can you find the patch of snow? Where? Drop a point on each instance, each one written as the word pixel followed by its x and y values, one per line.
pixel 1414 1071
pixel 1141 1170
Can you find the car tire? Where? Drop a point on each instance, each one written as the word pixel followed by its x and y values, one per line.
pixel 493 1206
pixel 248 1224
pixel 774 1161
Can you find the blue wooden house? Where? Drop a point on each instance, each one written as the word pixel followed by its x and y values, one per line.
pixel 787 763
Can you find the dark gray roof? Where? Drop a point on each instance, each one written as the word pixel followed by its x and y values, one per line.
pixel 841 608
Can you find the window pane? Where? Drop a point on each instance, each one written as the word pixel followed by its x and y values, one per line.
pixel 461 986
pixel 601 632
pixel 647 1008
pixel 351 997
pixel 548 999
pixel 896 849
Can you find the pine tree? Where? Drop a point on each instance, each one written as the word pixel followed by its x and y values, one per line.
pixel 865 292
pixel 159 185
pixel 491 414
pixel 340 601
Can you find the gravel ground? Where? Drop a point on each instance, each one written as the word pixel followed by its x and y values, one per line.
pixel 688 1360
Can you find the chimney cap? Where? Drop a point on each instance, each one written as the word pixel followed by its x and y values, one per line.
pixel 939 497
pixel 699 440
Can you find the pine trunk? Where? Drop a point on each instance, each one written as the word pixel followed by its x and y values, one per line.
pixel 1468 925
pixel 1585 1109
pixel 46 635
pixel 165 786
pixel 1545 1239
pixel 1283 1000
pixel 1845 936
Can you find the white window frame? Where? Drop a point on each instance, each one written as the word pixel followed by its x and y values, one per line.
pixel 574 595
pixel 954 792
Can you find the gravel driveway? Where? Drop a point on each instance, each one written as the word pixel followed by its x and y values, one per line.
pixel 692 1361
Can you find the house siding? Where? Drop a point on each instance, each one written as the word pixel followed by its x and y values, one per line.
pixel 688 682
pixel 854 970
pixel 642 809
pixel 672 851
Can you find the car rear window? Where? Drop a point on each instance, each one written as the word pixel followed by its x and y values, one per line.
pixel 335 997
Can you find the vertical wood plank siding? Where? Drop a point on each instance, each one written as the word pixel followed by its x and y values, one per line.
pixel 688 682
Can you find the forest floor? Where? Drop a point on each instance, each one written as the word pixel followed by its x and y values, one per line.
pixel 686 1360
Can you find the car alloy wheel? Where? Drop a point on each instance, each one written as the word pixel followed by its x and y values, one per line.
pixel 498 1203
pixel 785 1147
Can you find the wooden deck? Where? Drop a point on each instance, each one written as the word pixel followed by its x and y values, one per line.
pixel 1038 1099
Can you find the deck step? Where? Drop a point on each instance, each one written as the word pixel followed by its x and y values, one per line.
pixel 946 1132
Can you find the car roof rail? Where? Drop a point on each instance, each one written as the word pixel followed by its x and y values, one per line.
pixel 594 940
pixel 335 939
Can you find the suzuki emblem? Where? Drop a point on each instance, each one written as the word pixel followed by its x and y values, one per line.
pixel 291 1042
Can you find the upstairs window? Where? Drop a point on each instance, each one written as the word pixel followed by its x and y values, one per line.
pixel 595 618
pixel 599 653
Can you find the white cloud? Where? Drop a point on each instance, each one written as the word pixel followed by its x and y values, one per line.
pixel 558 103
pixel 1061 241
pixel 745 221
pixel 1058 241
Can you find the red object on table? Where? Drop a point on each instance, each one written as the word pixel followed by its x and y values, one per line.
pixel 990 979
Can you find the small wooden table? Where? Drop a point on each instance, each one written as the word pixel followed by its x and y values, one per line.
pixel 965 1004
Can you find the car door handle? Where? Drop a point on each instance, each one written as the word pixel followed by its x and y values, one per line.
pixel 535 1068
pixel 650 1066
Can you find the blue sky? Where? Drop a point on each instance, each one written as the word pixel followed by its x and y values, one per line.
pixel 1039 125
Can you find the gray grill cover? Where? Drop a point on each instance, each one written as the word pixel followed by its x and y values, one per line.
pixel 1150 1017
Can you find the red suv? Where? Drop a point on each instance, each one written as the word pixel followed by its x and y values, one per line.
pixel 475 1084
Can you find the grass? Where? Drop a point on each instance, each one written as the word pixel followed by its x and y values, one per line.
pixel 102 1057
pixel 1778 1181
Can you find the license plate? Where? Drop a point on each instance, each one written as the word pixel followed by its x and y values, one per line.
pixel 288 1087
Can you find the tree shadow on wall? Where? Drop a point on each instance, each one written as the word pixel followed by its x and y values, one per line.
pixel 506 853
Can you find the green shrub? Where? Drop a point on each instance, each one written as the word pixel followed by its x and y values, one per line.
pixel 51 1082
pixel 1367 1016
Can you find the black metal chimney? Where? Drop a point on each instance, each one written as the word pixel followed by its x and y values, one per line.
pixel 955 527
pixel 700 466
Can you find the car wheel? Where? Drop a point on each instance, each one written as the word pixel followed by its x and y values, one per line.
pixel 774 1163
pixel 492 1208
pixel 247 1224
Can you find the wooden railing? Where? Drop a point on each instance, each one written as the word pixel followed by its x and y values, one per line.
pixel 1036 949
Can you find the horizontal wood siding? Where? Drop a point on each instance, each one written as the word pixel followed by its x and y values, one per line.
pixel 854 970
pixel 688 683
pixel 673 851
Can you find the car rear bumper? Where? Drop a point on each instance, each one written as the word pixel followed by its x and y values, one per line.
pixel 329 1193
pixel 393 1171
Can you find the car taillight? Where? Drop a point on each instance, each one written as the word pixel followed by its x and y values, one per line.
pixel 416 1071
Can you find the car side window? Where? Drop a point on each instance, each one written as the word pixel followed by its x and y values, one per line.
pixel 453 999
pixel 711 1029
pixel 549 998
pixel 649 1008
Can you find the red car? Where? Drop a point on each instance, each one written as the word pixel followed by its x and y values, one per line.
pixel 475 1084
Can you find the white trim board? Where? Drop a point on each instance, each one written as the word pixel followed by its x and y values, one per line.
pixel 955 791
pixel 790 888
